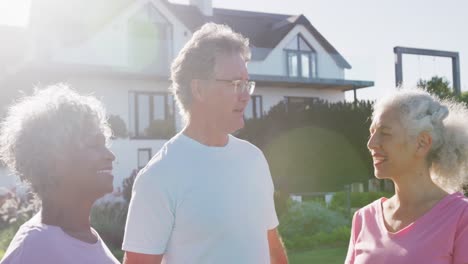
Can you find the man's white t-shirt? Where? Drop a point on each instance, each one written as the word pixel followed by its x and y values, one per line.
pixel 200 204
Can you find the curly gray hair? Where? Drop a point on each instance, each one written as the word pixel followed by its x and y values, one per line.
pixel 445 121
pixel 41 128
pixel 197 59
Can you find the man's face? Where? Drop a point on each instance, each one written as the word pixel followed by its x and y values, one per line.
pixel 225 107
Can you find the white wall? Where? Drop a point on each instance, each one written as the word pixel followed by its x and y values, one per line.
pixel 275 62
pixel 126 153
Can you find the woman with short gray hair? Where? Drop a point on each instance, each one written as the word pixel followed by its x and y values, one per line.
pixel 421 144
pixel 55 140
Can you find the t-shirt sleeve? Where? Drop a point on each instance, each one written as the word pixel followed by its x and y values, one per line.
pixel 272 218
pixel 13 256
pixel 355 229
pixel 460 252
pixel 150 217
pixel 25 247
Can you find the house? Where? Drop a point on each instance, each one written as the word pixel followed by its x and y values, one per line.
pixel 121 51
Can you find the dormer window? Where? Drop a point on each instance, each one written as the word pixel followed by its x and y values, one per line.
pixel 301 58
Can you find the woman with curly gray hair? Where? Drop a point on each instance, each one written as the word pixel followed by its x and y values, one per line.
pixel 421 144
pixel 55 140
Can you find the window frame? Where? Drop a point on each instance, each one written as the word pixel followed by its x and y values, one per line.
pixel 136 134
pixel 254 113
pixel 306 100
pixel 312 55
pixel 149 150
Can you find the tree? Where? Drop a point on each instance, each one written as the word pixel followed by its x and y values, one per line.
pixel 320 146
pixel 464 98
pixel 438 86
pixel 118 126
pixel 127 186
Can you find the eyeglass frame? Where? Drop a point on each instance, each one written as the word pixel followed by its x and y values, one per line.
pixel 248 86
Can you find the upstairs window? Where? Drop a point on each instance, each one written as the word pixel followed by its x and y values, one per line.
pixel 301 59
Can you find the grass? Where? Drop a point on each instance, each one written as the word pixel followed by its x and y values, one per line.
pixel 324 255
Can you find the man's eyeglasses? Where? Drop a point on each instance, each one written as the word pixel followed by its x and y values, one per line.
pixel 240 86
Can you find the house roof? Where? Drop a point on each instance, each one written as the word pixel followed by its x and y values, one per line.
pixel 264 30
pixel 317 83
pixel 53 73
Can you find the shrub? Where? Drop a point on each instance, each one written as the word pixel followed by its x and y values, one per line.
pixel 309 224
pixel 357 199
pixel 320 147
pixel 338 237
pixel 109 221
pixel 127 186
pixel 282 203
pixel 118 126
pixel 18 209
pixel 305 160
pixel 6 235
pixel 161 129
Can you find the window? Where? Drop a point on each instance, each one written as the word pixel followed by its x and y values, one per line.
pixel 144 156
pixel 295 103
pixel 254 108
pixel 150 35
pixel 301 59
pixel 151 115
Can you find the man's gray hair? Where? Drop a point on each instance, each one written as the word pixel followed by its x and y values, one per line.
pixel 197 59
pixel 41 129
pixel 445 121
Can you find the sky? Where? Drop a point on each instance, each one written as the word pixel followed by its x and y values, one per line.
pixel 363 31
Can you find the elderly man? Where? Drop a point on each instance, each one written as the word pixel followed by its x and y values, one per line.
pixel 206 196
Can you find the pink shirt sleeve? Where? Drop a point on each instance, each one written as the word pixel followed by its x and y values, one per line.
pixel 355 229
pixel 460 247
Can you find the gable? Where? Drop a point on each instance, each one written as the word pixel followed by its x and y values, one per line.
pixel 128 41
pixel 308 41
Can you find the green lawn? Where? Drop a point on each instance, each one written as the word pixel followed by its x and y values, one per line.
pixel 327 255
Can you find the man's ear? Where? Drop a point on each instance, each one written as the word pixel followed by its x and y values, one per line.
pixel 197 91
pixel 424 142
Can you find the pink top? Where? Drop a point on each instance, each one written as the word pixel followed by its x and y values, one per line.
pixel 38 243
pixel 439 236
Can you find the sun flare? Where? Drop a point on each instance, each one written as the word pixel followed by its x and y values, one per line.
pixel 14 13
